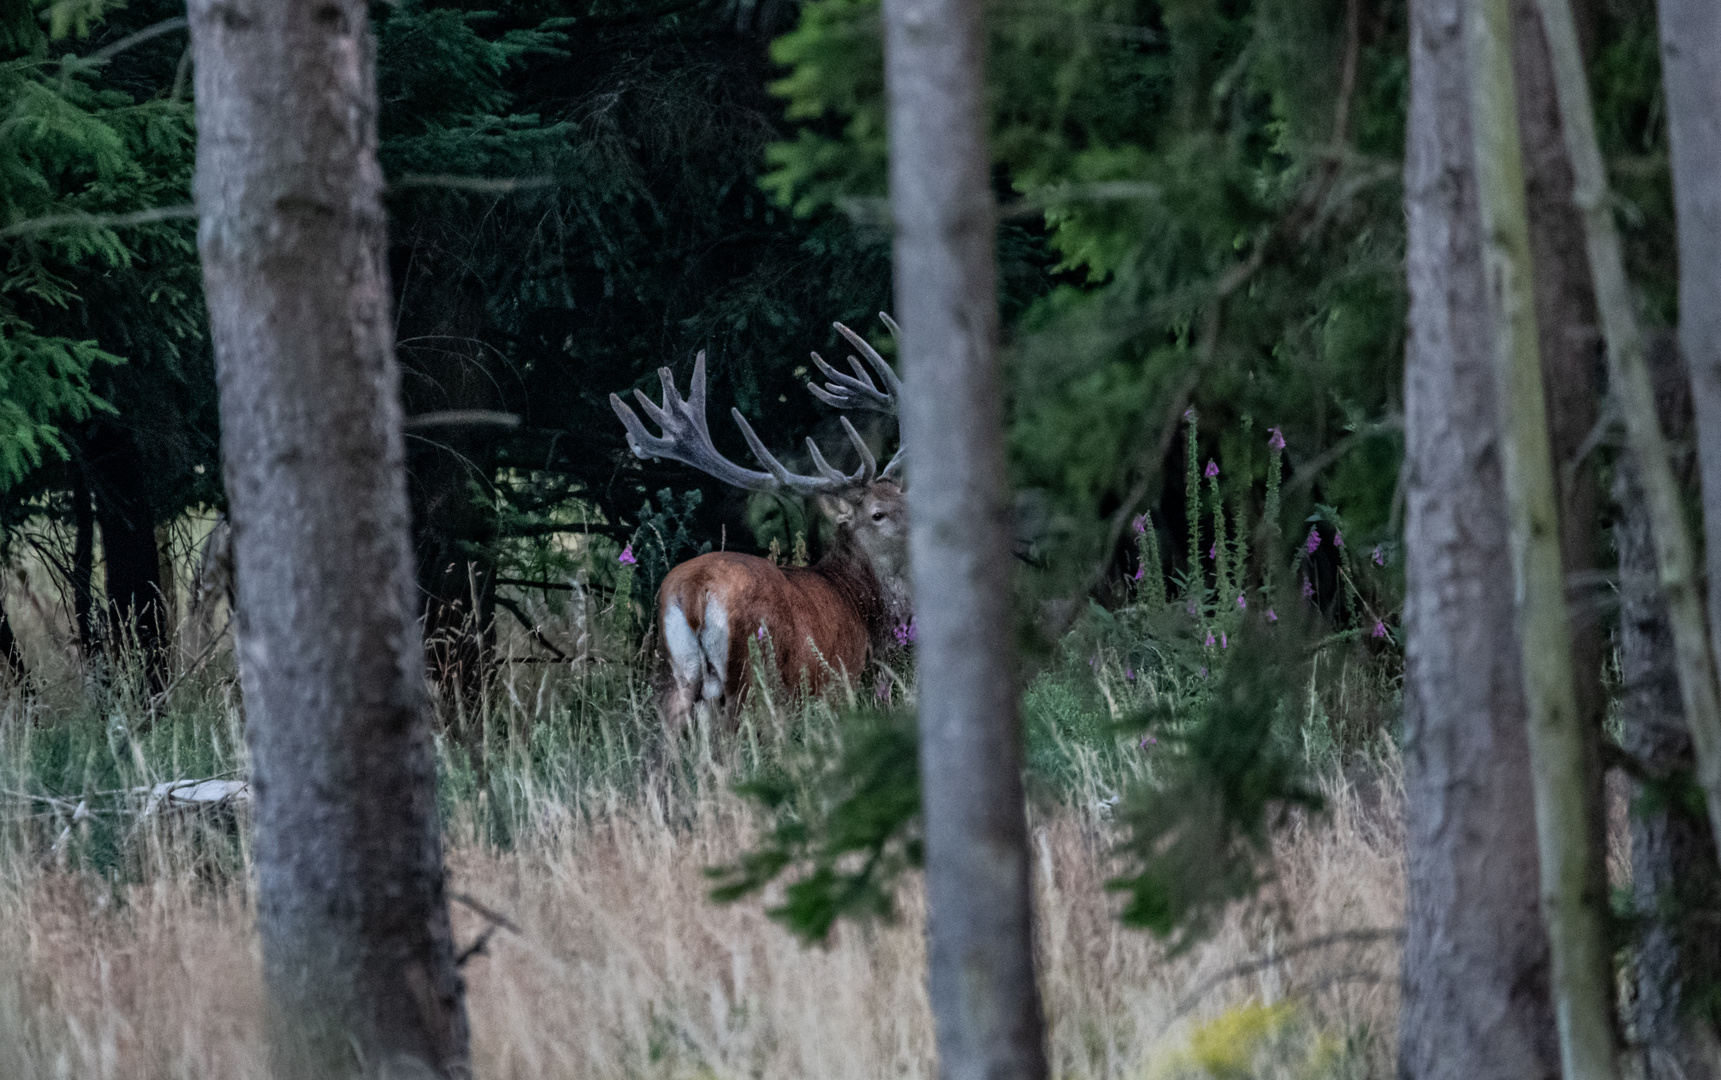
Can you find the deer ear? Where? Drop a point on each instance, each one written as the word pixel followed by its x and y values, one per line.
pixel 837 508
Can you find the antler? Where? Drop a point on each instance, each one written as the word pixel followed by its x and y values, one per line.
pixel 687 438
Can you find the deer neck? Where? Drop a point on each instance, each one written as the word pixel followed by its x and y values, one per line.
pixel 880 599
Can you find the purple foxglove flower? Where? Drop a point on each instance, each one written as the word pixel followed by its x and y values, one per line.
pixel 1379 629
pixel 1192 609
pixel 1308 590
pixel 1209 639
pixel 1189 414
pixel 1224 640
pixel 1277 440
pixel 1128 674
pixel 1140 572
pixel 761 631
pixel 1203 671
pixel 1338 539
pixel 1242 603
pixel 1212 468
pixel 1272 616
pixel 1213 552
pixel 1379 556
pixel 1139 524
pixel 626 558
pixel 1314 540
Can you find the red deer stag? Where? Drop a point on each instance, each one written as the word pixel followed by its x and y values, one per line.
pixel 822 620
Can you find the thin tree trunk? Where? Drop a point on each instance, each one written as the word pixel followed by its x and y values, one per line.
pixel 981 950
pixel 1569 343
pixel 131 564
pixel 1573 909
pixel 1676 554
pixel 1691 76
pixel 1675 879
pixel 1475 1003
pixel 83 561
pixel 357 949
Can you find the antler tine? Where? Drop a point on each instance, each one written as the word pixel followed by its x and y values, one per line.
pixel 824 466
pixel 847 391
pixel 802 485
pixel 637 439
pixel 890 470
pixel 869 464
pixel 886 373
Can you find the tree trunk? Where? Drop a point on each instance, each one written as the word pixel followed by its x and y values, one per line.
pixel 357 950
pixel 1675 879
pixel 131 564
pixel 1475 1002
pixel 1573 907
pixel 981 947
pixel 83 561
pixel 1691 77
pixel 1568 341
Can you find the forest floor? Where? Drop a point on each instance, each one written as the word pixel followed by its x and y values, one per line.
pixel 580 849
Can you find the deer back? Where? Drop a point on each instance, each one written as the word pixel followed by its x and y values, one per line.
pixel 810 619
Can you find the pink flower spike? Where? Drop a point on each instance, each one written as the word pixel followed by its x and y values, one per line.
pixel 1128 674
pixel 1192 609
pixel 1379 556
pixel 1277 439
pixel 1212 468
pixel 1314 540
pixel 1224 641
pixel 626 558
pixel 1213 552
pixel 1338 539
pixel 1139 525
pixel 1140 572
pixel 1209 639
pixel 1308 590
pixel 1379 629
pixel 1242 603
pixel 1272 616
pixel 761 631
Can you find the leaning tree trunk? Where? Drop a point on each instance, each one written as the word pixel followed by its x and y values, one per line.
pixel 1573 907
pixel 1568 341
pixel 357 950
pixel 1475 1002
pixel 1675 879
pixel 981 963
pixel 1691 78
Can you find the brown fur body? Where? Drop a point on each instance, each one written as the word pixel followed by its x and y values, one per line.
pixel 821 622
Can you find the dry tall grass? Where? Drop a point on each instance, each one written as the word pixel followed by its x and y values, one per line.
pixel 617 964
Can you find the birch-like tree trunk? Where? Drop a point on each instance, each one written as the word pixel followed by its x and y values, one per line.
pixel 1475 1003
pixel 358 958
pixel 1573 909
pixel 980 934
pixel 1691 79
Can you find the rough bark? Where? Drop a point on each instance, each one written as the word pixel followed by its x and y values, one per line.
pixel 981 958
pixel 1674 875
pixel 1691 78
pixel 357 950
pixel 1574 908
pixel 1475 1002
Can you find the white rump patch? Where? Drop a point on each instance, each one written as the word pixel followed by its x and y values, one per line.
pixel 698 660
pixel 714 640
pixel 686 662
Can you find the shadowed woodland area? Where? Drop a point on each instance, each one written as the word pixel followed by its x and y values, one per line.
pixel 1289 651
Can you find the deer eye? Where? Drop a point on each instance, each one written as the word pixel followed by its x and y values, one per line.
pixel 878 515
